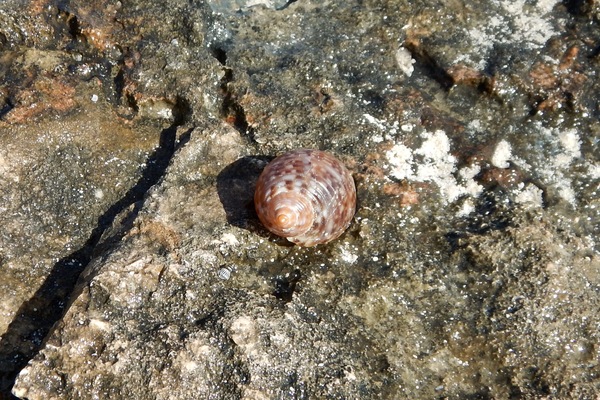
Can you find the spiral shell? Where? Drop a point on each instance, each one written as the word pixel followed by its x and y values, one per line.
pixel 306 196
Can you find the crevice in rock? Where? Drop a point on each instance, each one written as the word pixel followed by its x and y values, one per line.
pixel 579 7
pixel 131 102
pixel 74 26
pixel 286 5
pixel 231 110
pixel 219 54
pixel 6 107
pixel 34 320
pixel 285 286
pixel 595 52
pixel 536 103
pixel 430 64
pixel 125 84
pixel 68 25
pixel 119 82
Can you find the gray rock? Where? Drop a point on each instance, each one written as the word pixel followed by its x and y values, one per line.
pixel 470 270
pixel 229 7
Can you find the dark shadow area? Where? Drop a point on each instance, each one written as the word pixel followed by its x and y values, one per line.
pixel 579 8
pixel 27 333
pixel 235 186
pixel 220 54
pixel 286 5
pixel 6 107
pixel 492 212
pixel 595 52
pixel 429 64
pixel 285 286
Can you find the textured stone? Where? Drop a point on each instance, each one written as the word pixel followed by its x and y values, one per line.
pixel 471 267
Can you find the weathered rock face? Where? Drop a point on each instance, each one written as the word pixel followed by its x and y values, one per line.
pixel 470 271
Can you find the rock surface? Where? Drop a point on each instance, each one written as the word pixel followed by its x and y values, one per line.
pixel 133 265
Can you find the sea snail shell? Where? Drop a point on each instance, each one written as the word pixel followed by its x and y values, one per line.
pixel 306 196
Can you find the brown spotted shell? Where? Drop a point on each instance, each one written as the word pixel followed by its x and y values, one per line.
pixel 306 196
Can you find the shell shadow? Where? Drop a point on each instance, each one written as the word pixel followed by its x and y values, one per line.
pixel 235 187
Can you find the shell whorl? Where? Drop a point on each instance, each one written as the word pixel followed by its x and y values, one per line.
pixel 306 196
